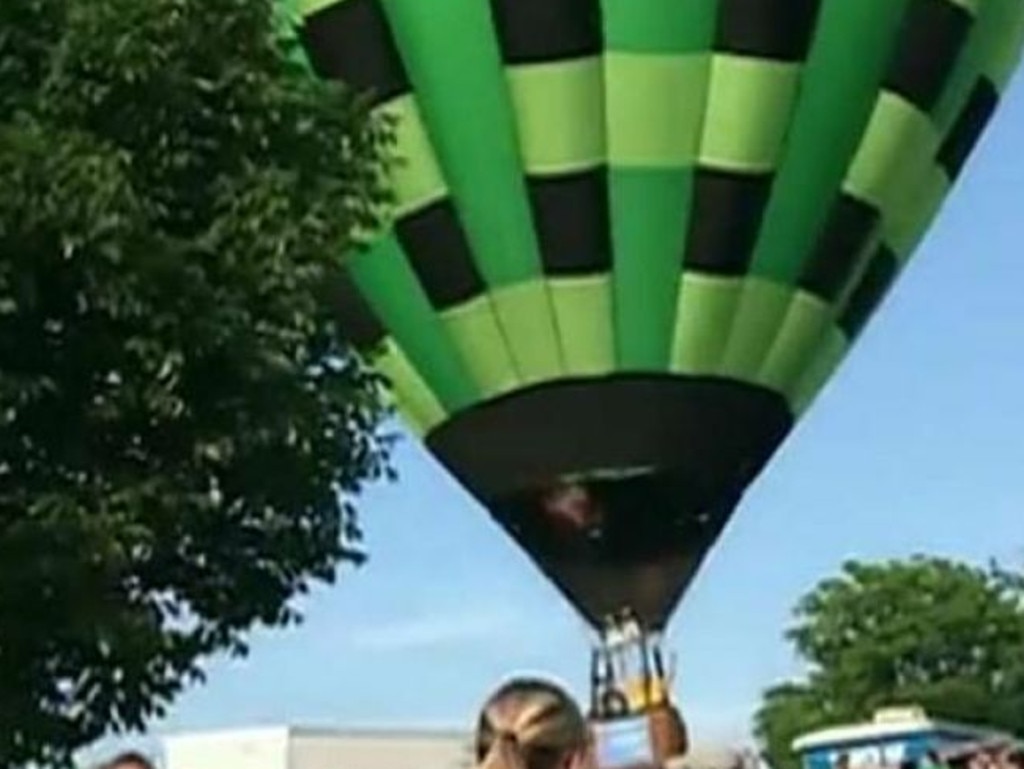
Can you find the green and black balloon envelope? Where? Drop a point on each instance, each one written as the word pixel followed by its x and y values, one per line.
pixel 634 238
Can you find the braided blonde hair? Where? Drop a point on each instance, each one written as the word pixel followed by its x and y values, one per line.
pixel 530 724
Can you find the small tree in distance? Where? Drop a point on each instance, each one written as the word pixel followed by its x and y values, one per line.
pixel 181 434
pixel 928 631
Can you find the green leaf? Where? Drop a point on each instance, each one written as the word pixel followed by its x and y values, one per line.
pixel 931 632
pixel 180 453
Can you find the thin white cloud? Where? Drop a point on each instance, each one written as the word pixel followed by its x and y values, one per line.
pixel 445 628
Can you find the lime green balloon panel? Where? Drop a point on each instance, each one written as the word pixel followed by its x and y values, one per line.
pixel 703 187
pixel 634 238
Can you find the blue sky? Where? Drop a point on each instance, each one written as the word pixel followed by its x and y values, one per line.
pixel 917 445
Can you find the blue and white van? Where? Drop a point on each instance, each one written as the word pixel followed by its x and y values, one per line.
pixel 893 736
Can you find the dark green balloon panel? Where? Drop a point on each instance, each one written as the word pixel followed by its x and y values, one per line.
pixel 634 238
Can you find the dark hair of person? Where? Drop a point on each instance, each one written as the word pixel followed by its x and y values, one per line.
pixel 529 724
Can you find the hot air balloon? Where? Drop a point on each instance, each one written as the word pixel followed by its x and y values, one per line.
pixel 632 240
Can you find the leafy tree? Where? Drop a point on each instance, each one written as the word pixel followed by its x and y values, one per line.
pixel 930 632
pixel 181 435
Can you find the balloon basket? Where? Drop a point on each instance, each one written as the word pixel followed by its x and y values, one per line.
pixel 634 719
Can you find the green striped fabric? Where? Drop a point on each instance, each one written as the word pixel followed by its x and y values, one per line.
pixel 717 187
pixel 633 239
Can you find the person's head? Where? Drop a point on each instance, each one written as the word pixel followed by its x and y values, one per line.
pixel 531 724
pixel 129 760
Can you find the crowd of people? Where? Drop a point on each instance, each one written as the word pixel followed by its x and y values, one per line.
pixel 534 724
pixel 990 754
pixel 526 724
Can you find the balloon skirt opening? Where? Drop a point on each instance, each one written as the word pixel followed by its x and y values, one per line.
pixel 616 486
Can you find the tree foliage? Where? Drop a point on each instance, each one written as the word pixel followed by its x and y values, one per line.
pixel 181 433
pixel 930 632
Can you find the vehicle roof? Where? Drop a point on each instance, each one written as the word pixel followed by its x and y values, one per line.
pixel 888 724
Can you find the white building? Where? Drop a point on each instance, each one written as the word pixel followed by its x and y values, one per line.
pixel 289 747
